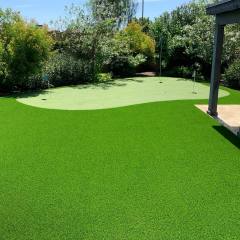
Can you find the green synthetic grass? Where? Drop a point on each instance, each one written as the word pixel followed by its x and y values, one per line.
pixel 152 171
pixel 118 93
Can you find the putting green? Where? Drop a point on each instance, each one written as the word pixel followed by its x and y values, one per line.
pixel 118 93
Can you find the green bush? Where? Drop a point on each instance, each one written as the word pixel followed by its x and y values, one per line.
pixel 232 74
pixel 140 42
pixel 63 69
pixel 180 71
pixel 185 33
pixel 131 48
pixel 23 49
pixel 104 77
pixel 124 66
pixel 86 42
pixel 185 72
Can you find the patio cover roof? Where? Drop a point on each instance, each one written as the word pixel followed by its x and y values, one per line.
pixel 226 12
pixel 223 6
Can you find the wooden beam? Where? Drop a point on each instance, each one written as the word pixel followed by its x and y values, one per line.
pixel 223 6
pixel 216 69
pixel 228 17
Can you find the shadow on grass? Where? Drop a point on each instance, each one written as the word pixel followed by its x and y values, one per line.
pixel 228 135
pixel 107 85
pixel 183 80
pixel 104 85
pixel 32 93
pixel 28 94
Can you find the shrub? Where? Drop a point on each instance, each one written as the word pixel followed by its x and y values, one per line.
pixel 3 66
pixel 139 42
pixel 180 71
pixel 183 71
pixel 104 77
pixel 124 66
pixel 131 48
pixel 23 49
pixel 63 69
pixel 232 74
pixel 86 40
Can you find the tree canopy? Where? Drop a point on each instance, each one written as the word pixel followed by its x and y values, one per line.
pixel 122 11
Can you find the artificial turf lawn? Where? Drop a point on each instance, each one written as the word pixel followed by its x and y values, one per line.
pixel 152 171
pixel 118 93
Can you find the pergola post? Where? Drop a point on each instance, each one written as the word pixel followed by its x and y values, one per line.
pixel 216 68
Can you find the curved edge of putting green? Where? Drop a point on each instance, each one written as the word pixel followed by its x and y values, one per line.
pixel 118 93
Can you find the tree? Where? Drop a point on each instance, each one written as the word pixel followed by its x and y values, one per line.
pixel 140 42
pixel 188 37
pixel 145 23
pixel 132 47
pixel 87 38
pixel 23 49
pixel 122 11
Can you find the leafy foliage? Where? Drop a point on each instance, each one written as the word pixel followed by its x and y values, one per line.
pixel 23 49
pixel 104 77
pixel 145 23
pixel 104 37
pixel 187 34
pixel 65 69
pixel 122 11
pixel 87 40
pixel 140 42
pixel 232 74
pixel 131 48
